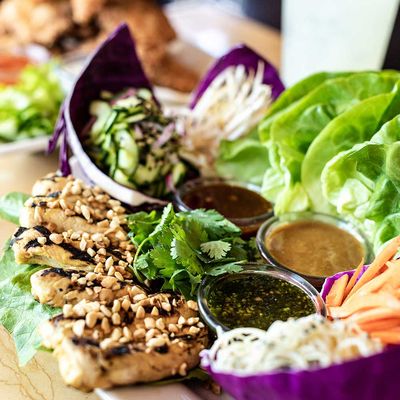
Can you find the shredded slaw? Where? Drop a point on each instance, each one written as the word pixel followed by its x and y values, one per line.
pixel 230 107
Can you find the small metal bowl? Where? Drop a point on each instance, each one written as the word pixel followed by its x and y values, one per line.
pixel 248 225
pixel 209 284
pixel 273 223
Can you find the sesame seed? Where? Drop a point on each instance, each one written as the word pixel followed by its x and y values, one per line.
pixel 85 212
pixel 56 238
pixel 155 312
pixel 193 321
pixel 156 342
pixel 139 333
pixel 109 262
pixel 42 240
pixel 97 289
pixel 82 281
pixel 116 334
pixel 140 313
pixel 149 323
pixel 116 319
pixel 173 328
pixel 151 333
pixel 105 311
pixel 111 271
pixel 91 276
pixel 75 236
pixel 116 306
pixel 192 305
pixel 119 276
pixel 78 327
pixel 183 369
pixel 102 251
pixel 139 297
pixel 108 282
pixel 63 204
pixel 105 325
pixel 181 320
pixel 82 244
pixel 91 252
pixel 127 332
pixel 166 306
pixel 160 324
pixel 193 330
pixel 126 304
pixel 91 319
pixel 89 291
pixel 106 343
pixel 67 310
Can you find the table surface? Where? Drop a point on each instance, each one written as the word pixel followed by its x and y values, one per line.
pixel 207 27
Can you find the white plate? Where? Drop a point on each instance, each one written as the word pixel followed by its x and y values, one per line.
pixel 25 146
pixel 173 391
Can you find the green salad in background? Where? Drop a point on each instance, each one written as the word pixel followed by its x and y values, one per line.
pixel 29 108
pixel 330 144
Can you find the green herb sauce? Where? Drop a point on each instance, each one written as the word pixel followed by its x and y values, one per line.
pixel 245 300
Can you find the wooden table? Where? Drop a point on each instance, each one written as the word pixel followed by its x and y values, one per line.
pixel 202 25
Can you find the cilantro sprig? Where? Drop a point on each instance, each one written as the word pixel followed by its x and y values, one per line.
pixel 181 248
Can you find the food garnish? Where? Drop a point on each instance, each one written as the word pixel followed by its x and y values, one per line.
pixel 370 297
pixel 297 344
pixel 181 248
pixel 134 143
pixel 29 108
pixel 257 300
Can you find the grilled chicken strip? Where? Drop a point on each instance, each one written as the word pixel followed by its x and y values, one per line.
pixel 78 251
pixel 63 204
pixel 139 339
pixel 56 287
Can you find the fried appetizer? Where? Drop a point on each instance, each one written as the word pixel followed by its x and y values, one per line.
pixel 140 338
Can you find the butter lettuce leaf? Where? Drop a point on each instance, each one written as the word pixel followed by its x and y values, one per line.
pixel 11 205
pixel 363 183
pixel 244 160
pixel 356 125
pixel 20 313
pixel 296 128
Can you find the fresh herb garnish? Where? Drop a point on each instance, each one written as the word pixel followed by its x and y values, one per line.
pixel 180 248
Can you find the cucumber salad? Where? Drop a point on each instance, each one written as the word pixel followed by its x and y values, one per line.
pixel 131 140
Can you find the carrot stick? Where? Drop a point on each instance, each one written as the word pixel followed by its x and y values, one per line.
pixel 380 325
pixel 375 314
pixel 387 337
pixel 336 294
pixel 381 259
pixel 359 303
pixel 353 279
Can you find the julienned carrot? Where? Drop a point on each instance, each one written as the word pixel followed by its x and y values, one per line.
pixel 336 294
pixel 353 279
pixel 381 259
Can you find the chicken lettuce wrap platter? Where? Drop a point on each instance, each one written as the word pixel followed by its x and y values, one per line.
pixel 168 237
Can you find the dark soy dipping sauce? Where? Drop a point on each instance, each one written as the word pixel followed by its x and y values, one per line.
pixel 231 201
pixel 256 300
